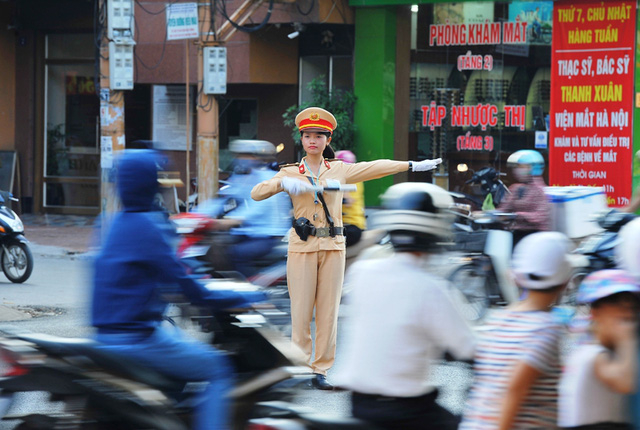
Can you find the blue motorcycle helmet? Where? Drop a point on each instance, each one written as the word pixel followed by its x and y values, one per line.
pixel 527 157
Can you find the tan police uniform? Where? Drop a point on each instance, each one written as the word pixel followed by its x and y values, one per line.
pixel 315 267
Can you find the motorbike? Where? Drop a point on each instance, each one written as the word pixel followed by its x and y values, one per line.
pixel 597 252
pixel 206 238
pixel 15 256
pixel 484 247
pixel 103 390
pixel 284 416
pixel 491 186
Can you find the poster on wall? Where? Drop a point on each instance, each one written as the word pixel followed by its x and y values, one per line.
pixel 539 18
pixel 170 118
pixel 592 96
pixel 459 13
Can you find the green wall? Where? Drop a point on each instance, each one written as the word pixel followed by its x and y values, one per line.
pixel 374 87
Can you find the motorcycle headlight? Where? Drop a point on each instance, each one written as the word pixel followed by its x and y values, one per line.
pixel 15 224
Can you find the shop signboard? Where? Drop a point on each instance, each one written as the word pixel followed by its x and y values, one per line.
pixel 482 109
pixel 182 21
pixel 592 96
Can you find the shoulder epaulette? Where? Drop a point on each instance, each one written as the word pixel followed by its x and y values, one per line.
pixel 289 165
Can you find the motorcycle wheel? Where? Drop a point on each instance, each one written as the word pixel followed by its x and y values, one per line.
pixel 17 262
pixel 472 286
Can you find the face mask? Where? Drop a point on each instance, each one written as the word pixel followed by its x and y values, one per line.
pixel 522 173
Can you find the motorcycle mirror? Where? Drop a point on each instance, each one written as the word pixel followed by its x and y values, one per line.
pixel 461 208
pixel 462 167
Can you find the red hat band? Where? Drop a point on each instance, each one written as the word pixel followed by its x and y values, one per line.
pixel 318 123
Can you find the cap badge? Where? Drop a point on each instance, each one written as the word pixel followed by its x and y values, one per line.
pixel 314 116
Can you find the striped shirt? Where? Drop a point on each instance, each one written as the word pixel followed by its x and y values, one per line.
pixel 512 337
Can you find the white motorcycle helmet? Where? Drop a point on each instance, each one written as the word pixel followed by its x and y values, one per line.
pixel 416 215
pixel 540 260
pixel 627 250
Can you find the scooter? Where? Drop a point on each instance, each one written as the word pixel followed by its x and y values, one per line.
pixel 286 416
pixel 15 256
pixel 103 390
pixel 492 188
pixel 484 247
pixel 597 252
pixel 205 240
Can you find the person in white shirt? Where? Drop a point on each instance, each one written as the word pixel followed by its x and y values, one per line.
pixel 599 374
pixel 402 316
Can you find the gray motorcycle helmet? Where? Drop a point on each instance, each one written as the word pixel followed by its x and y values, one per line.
pixel 417 216
pixel 257 148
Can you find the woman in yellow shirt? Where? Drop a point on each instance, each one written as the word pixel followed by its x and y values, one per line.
pixel 353 216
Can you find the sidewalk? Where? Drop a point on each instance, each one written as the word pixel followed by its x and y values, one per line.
pixel 59 234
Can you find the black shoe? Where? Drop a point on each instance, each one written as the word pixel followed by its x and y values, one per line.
pixel 320 382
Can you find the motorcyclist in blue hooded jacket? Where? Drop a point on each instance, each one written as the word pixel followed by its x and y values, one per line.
pixel 135 266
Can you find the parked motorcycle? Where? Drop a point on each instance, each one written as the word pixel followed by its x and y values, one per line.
pixel 103 390
pixel 15 256
pixel 491 186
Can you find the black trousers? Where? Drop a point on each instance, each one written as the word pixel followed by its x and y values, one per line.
pixel 403 413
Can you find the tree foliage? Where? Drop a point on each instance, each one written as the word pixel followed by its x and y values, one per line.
pixel 339 103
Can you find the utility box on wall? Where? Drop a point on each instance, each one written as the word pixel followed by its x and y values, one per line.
pixel 121 24
pixel 215 70
pixel 120 66
pixel 120 20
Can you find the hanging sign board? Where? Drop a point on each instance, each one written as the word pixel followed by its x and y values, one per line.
pixel 182 21
pixel 170 117
pixel 592 96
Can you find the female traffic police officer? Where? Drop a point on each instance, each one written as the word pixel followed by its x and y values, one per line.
pixel 316 257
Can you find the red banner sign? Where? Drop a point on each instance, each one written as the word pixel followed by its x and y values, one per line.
pixel 592 96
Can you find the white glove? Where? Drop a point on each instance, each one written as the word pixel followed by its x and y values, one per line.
pixel 296 186
pixel 424 165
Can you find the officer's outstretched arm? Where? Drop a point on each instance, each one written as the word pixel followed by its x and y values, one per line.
pixel 368 170
pixel 268 188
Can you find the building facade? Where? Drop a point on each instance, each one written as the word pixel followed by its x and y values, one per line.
pixel 49 100
pixel 473 81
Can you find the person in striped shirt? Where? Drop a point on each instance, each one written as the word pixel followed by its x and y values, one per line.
pixel 517 363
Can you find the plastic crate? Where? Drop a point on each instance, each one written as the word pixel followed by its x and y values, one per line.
pixel 573 209
pixel 470 241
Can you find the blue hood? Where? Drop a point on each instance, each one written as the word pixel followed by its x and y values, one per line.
pixel 138 179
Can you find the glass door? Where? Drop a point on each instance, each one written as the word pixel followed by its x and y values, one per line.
pixel 72 163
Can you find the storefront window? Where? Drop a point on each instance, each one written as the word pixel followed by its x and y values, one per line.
pixel 71 152
pixel 480 84
pixel 335 71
